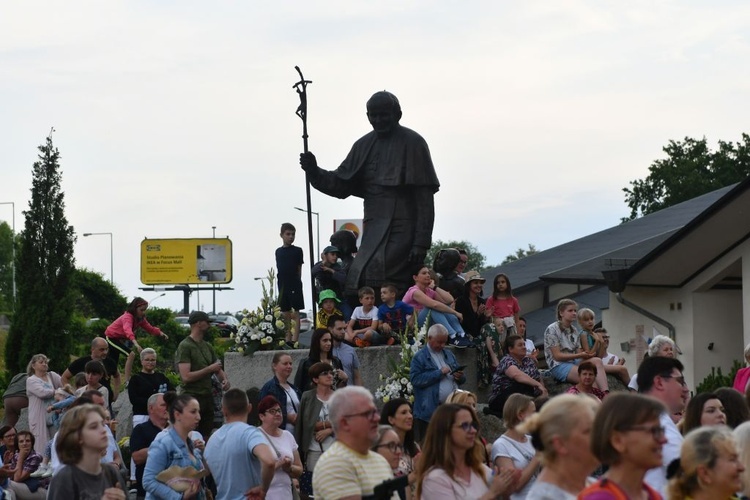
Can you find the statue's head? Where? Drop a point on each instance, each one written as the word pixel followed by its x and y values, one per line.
pixel 383 112
pixel 345 241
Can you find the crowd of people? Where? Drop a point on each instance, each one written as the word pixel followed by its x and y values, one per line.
pixel 320 434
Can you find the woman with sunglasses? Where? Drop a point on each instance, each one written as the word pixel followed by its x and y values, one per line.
pixel 288 464
pixel 388 444
pixel 452 462
pixel 630 443
pixel 314 433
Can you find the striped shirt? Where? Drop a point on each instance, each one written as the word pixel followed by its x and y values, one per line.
pixel 342 472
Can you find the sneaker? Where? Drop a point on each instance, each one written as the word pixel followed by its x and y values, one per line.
pixel 361 342
pixel 48 472
pixel 461 342
pixel 40 471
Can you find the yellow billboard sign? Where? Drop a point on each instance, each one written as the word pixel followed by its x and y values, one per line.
pixel 186 261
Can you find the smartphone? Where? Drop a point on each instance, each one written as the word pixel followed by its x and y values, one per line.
pixel 458 369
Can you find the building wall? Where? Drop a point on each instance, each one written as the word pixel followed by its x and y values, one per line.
pixel 717 320
pixel 530 300
pixel 700 315
pixel 559 291
pixel 623 323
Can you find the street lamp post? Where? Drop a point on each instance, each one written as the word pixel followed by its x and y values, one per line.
pixel 13 246
pixel 214 285
pixel 111 254
pixel 317 225
pixel 157 298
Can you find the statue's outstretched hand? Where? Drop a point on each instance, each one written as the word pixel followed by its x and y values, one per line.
pixel 307 161
pixel 417 255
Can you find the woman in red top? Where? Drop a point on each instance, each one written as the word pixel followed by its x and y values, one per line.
pixel 121 333
pixel 630 443
pixel 503 304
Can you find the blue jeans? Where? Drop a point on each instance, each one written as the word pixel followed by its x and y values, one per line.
pixel 560 372
pixel 449 321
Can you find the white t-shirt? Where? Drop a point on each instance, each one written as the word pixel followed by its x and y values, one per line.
pixel 657 477
pixel 282 446
pixel 614 357
pixel 364 319
pixel 633 382
pixel 520 454
pixel 529 347
pixel 548 491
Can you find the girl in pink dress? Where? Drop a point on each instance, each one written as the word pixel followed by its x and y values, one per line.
pixel 503 304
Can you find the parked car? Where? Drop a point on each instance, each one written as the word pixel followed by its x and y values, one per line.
pixel 182 321
pixel 227 324
pixel 305 323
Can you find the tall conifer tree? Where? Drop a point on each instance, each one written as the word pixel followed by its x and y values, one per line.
pixel 44 268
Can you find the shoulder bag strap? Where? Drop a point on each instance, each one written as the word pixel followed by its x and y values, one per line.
pixel 270 442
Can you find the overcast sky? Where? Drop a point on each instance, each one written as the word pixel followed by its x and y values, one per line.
pixel 173 117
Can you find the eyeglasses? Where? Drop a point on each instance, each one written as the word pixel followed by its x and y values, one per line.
pixel 657 431
pixel 326 372
pixel 393 447
pixel 467 426
pixel 679 378
pixel 369 414
pixel 274 411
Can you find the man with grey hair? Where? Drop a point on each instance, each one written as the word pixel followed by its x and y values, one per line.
pixel 144 434
pixel 349 469
pixel 434 373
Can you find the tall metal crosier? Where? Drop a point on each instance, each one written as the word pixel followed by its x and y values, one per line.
pixel 301 88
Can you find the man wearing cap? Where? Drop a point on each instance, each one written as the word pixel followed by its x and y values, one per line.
pixel 197 362
pixel 330 275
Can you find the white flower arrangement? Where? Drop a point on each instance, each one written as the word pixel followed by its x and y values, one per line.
pixel 262 329
pixel 397 384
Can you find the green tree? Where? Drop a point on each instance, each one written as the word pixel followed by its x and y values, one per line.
pixel 520 254
pixel 6 267
pixel 44 268
pixel 476 258
pixel 689 170
pixel 96 297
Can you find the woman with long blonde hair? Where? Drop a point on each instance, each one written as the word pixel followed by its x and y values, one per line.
pixel 561 431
